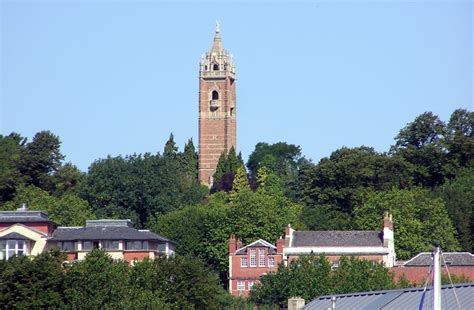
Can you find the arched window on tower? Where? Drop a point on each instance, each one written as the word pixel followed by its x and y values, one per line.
pixel 215 95
pixel 215 67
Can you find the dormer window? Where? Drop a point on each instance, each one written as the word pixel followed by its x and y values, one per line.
pixel 215 95
pixel 215 67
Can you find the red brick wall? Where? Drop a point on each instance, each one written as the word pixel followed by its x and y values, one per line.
pixel 417 275
pixel 336 258
pixel 217 128
pixel 41 226
pixel 130 256
pixel 250 274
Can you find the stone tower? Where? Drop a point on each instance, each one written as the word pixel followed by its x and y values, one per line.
pixel 217 112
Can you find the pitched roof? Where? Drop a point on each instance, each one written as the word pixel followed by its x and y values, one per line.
pixel 336 238
pixel 259 243
pixel 14 236
pixel 23 216
pixel 397 299
pixel 105 233
pixel 451 258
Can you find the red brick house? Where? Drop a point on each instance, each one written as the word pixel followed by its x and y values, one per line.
pixel 25 232
pixel 248 263
pixel 416 269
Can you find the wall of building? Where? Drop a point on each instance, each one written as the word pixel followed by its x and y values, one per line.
pixel 418 274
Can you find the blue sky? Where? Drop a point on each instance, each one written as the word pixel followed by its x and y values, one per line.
pixel 116 77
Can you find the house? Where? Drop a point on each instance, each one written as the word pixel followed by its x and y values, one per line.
pixel 25 232
pixel 248 263
pixel 458 296
pixel 415 270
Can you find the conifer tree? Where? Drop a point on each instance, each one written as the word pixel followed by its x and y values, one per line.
pixel 171 149
pixel 190 159
pixel 240 182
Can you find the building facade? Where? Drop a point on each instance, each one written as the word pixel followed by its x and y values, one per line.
pixel 217 108
pixel 248 263
pixel 24 232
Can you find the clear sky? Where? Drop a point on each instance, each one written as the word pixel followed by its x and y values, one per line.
pixel 116 77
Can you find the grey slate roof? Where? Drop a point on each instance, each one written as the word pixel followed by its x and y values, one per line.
pixel 259 243
pixel 23 216
pixel 336 238
pixel 14 236
pixel 451 258
pixel 105 233
pixel 398 299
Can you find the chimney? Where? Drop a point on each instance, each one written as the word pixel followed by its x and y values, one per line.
pixel 280 245
pixel 232 244
pixel 387 221
pixel 388 240
pixel 23 207
pixel 239 243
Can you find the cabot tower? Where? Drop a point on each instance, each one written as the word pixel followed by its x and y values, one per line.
pixel 217 108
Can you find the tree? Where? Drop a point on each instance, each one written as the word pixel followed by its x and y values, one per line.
pixel 281 158
pixel 190 160
pixel 458 196
pixel 67 179
pixel 205 229
pixel 97 282
pixel 421 144
pixel 240 182
pixel 460 138
pixel 10 175
pixel 226 169
pixel 35 283
pixel 40 158
pixel 418 220
pixel 341 180
pixel 171 150
pixel 68 210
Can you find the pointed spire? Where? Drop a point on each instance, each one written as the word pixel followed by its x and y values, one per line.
pixel 217 46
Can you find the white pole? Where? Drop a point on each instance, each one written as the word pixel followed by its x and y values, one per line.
pixel 437 279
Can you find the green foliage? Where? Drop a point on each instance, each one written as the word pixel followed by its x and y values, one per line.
pixel 190 160
pixel 226 169
pixel 204 230
pixel 311 276
pixel 281 158
pixel 170 150
pixel 32 283
pixel 67 210
pixel 240 182
pixel 10 176
pixel 139 186
pixel 67 179
pixel 342 179
pixel 326 217
pixel 421 144
pixel 458 196
pixel 460 138
pixel 418 220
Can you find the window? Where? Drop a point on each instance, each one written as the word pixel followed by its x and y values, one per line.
pixel 215 67
pixel 251 284
pixel 271 261
pixel 215 95
pixel 86 245
pixel 243 262
pixel 10 248
pixel 334 265
pixel 111 245
pixel 253 258
pixel 261 258
pixel 137 245
pixel 240 286
pixel 67 246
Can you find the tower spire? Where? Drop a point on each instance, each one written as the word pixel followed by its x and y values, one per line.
pixel 218 29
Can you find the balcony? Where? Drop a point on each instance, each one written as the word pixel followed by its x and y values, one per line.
pixel 214 105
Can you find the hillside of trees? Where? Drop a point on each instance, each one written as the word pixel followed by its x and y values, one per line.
pixel 425 179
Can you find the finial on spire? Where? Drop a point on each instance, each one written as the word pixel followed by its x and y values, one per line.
pixel 218 29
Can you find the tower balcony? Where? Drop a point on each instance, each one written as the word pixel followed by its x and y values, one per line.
pixel 214 104
pixel 217 74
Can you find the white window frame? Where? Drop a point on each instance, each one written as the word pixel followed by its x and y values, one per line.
pixel 241 286
pixel 253 258
pixel 271 261
pixel 261 258
pixel 243 262
pixel 250 284
pixel 7 251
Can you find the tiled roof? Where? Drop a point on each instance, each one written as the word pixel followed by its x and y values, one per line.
pixel 398 299
pixel 259 243
pixel 336 238
pixel 104 233
pixel 451 258
pixel 23 216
